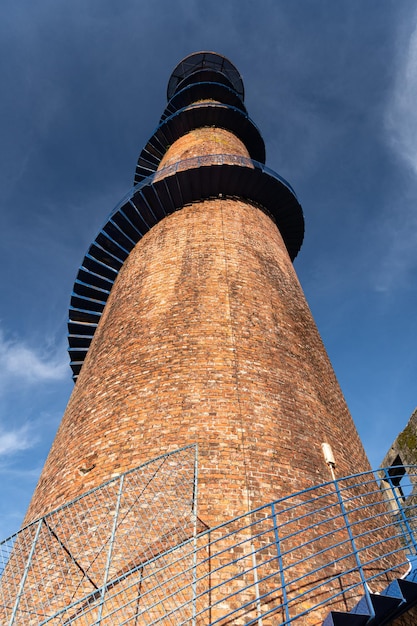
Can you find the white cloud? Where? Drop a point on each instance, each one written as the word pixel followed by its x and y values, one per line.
pixel 398 260
pixel 13 441
pixel 23 364
pixel 401 112
pixel 398 221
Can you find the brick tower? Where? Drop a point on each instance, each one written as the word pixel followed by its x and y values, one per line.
pixel 188 326
pixel 198 326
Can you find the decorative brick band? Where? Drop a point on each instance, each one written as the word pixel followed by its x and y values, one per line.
pixel 199 115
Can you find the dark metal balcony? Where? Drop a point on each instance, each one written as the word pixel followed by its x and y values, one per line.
pixel 200 61
pixel 199 115
pixel 162 193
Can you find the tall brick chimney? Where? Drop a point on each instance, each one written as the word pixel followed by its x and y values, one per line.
pixel 188 326
pixel 188 323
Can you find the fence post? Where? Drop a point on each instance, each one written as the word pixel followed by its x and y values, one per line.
pixel 26 571
pixel 354 548
pixel 281 566
pixel 195 547
pixel 110 551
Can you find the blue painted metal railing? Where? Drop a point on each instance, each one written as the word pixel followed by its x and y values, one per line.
pixel 133 551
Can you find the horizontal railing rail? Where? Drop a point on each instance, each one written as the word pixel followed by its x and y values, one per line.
pixel 133 549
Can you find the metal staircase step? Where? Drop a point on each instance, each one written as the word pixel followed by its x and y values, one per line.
pixel 383 606
pixel 336 618
pixel 396 598
pixel 403 589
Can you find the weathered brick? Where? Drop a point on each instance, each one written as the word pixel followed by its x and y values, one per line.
pixel 207 338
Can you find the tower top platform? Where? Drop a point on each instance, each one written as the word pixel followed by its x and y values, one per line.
pixel 201 63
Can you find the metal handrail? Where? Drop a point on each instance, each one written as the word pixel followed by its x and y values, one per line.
pixel 312 551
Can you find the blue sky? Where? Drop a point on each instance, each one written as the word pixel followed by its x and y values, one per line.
pixel 332 87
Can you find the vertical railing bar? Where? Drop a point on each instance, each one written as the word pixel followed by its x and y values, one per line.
pixel 401 511
pixel 280 566
pixel 194 510
pixel 26 571
pixel 354 548
pixel 256 583
pixel 110 550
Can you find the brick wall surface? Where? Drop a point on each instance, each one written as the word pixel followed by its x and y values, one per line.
pixel 203 142
pixel 206 337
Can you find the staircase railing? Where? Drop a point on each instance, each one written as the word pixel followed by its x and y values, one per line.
pixel 123 554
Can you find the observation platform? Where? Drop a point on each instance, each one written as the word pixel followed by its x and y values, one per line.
pixel 207 62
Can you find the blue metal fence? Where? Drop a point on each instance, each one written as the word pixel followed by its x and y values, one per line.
pixel 134 552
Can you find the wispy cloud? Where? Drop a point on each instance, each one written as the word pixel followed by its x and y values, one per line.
pixel 401 112
pixel 16 440
pixel 22 364
pixel 398 260
pixel 398 227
